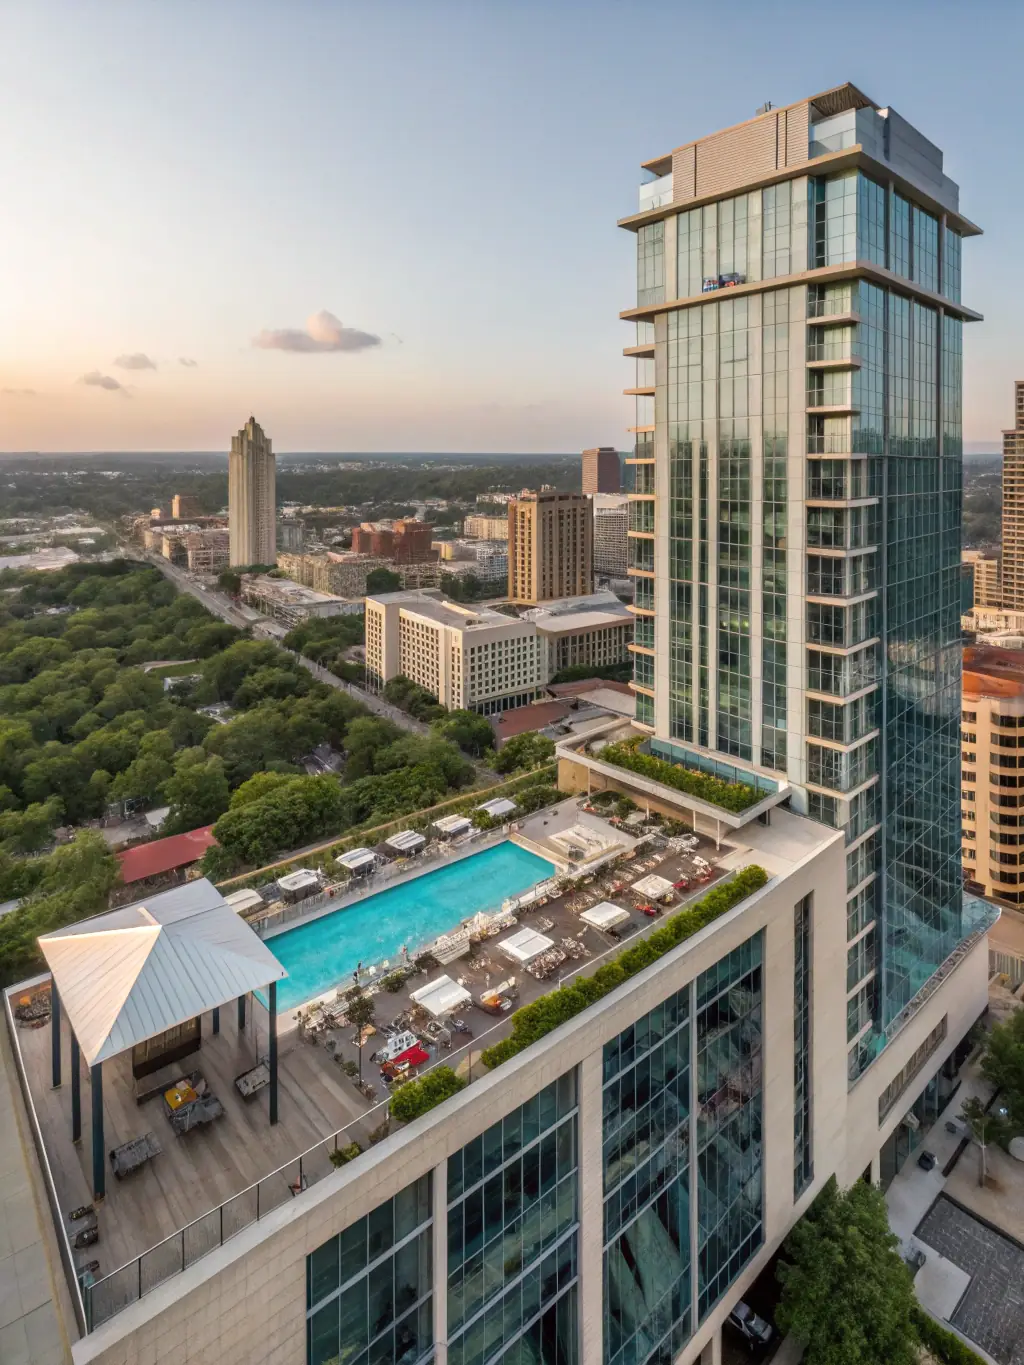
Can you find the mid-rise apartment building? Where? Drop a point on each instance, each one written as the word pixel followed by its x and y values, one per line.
pixel 550 546
pixel 405 541
pixel 795 529
pixel 601 470
pixel 611 533
pixel 252 497
pixel 1013 506
pixel 486 528
pixel 332 572
pixel 984 572
pixel 467 657
pixel 992 796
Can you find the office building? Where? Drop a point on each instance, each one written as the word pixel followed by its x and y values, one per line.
pixel 601 470
pixel 292 603
pixel 208 550
pixel 252 498
pixel 550 547
pixel 185 506
pixel 486 528
pixel 291 535
pixel 405 541
pixel 984 578
pixel 340 573
pixel 467 657
pixel 767 562
pixel 1013 506
pixel 610 1193
pixel 992 808
pixel 611 540
pixel 582 632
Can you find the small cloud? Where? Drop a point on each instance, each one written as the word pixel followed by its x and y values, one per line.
pixel 19 393
pixel 102 381
pixel 323 332
pixel 137 361
pixel 189 364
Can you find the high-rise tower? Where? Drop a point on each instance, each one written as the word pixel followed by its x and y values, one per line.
pixel 550 546
pixel 252 504
pixel 600 471
pixel 795 525
pixel 1013 507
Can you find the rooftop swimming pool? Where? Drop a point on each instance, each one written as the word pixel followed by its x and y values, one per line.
pixel 326 951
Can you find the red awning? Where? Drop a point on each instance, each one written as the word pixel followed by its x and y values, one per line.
pixel 415 1056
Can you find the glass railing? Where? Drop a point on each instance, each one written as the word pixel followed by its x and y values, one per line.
pixel 831 350
pixel 654 194
pixel 830 302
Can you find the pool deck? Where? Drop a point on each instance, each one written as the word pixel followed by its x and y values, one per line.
pixel 202 1169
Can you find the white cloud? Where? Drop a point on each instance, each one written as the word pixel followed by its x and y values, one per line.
pixel 189 364
pixel 323 332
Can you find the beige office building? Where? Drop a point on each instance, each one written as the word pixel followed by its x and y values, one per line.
pixel 1013 505
pixel 467 657
pixel 252 502
pixel 985 573
pixel 601 471
pixel 550 547
pixel 486 528
pixel 611 533
pixel 992 790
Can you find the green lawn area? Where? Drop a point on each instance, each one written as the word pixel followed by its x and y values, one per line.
pixel 179 670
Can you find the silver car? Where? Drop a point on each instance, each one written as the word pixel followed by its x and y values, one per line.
pixel 754 1330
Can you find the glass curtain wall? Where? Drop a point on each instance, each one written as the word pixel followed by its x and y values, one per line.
pixel 728 1108
pixel 369 1297
pixel 803 1164
pixel 646 1158
pixel 513 1223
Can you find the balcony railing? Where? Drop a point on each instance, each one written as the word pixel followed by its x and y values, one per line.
pixel 654 194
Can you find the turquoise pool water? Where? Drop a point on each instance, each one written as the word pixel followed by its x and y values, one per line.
pixel 325 952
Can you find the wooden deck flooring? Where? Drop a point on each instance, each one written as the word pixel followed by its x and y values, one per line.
pixel 200 1169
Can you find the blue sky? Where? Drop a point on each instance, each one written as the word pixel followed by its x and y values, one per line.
pixel 183 178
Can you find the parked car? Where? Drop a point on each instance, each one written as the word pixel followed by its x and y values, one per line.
pixel 754 1330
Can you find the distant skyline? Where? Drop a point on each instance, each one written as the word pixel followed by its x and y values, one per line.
pixel 393 228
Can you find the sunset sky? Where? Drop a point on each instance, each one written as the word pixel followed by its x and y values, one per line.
pixel 392 227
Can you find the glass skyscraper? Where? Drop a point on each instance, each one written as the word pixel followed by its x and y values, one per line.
pixel 795 524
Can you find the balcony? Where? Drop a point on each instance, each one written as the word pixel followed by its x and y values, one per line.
pixel 655 194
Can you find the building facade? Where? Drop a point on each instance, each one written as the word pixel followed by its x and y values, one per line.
pixel 486 528
pixel 992 796
pixel 601 470
pixel 467 657
pixel 1013 506
pixel 550 547
pixel 604 1197
pixel 795 525
pixel 582 632
pixel 984 571
pixel 343 574
pixel 291 603
pixel 208 550
pixel 252 497
pixel 185 506
pixel 611 534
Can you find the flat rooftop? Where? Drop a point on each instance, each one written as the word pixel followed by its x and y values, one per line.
pixel 289 592
pixel 240 1158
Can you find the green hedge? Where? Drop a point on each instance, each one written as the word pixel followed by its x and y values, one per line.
pixel 415 1097
pixel 734 796
pixel 943 1344
pixel 533 1021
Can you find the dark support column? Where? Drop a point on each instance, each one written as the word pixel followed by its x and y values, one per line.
pixel 241 1014
pixel 55 1032
pixel 76 1090
pixel 216 1020
pixel 99 1169
pixel 273 1051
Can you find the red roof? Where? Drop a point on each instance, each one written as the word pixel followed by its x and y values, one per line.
pixel 164 855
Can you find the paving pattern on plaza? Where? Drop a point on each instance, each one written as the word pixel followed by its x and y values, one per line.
pixel 991 1313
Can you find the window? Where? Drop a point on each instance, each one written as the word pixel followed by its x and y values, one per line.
pixel 371 1285
pixel 650 264
pixel 513 1224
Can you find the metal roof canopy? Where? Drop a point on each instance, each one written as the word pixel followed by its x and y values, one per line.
pixel 133 973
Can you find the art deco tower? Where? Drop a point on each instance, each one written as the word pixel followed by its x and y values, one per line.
pixel 252 505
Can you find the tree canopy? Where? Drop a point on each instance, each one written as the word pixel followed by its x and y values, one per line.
pixel 846 1293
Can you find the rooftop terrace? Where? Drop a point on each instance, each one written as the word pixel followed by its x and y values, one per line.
pixel 207 1184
